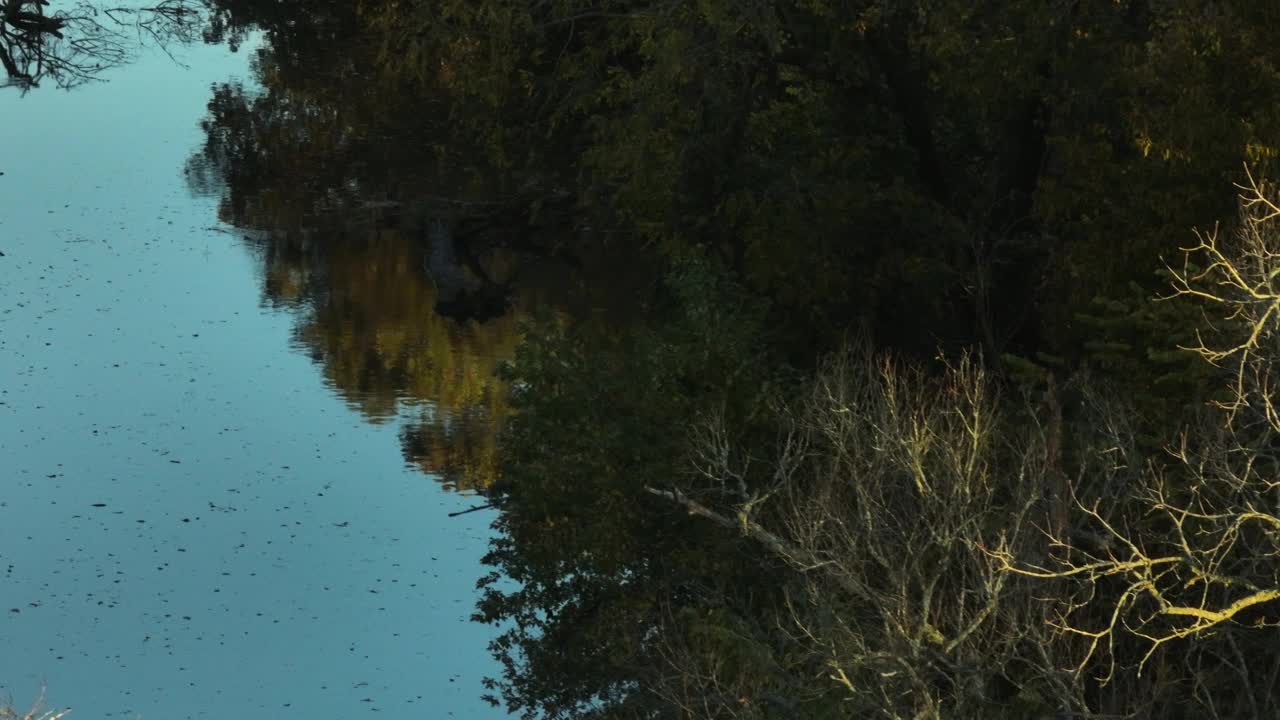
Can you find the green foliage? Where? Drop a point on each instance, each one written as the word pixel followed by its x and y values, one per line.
pixel 1142 346
pixel 1003 174
pixel 937 172
pixel 600 416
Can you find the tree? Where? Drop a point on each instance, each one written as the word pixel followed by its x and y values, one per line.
pixel 35 712
pixel 365 312
pixel 938 171
pixel 957 565
pixel 76 45
pixel 1185 572
pixel 998 177
pixel 887 485
pixel 587 576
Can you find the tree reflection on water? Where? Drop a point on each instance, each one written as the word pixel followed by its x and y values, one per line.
pixel 339 181
pixel 366 314
pixel 69 44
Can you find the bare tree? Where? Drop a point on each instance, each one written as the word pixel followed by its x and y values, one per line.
pixel 36 711
pixel 1186 572
pixel 948 562
pixel 71 46
pixel 882 497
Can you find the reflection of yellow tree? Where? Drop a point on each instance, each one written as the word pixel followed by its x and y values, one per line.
pixel 329 134
pixel 370 322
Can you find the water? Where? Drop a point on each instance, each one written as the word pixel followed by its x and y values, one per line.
pixel 197 516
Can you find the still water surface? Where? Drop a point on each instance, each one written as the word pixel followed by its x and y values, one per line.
pixel 201 514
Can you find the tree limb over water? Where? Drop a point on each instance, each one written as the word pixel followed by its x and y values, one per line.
pixel 75 45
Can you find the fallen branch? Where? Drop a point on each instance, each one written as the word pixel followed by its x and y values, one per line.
pixel 477 508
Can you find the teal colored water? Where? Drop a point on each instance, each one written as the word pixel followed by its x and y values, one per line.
pixel 193 521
